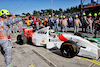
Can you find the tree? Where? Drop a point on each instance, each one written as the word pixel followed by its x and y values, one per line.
pixel 65 11
pixel 68 10
pixel 57 12
pixel 17 15
pixel 38 12
pixel 49 11
pixel 23 14
pixel 60 10
pixel 79 7
pixel 28 14
pixel 42 11
pixel 34 12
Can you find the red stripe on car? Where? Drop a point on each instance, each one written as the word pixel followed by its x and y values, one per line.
pixel 62 38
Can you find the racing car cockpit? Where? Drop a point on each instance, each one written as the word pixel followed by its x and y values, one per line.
pixel 52 33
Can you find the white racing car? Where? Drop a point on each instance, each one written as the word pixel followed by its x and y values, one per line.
pixel 69 44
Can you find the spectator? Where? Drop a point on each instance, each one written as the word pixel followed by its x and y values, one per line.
pixel 41 24
pixel 60 22
pixel 20 25
pixel 84 23
pixel 31 20
pixel 64 23
pixel 99 19
pixel 94 20
pixel 14 28
pixel 39 20
pixel 50 22
pixel 27 21
pixel 56 22
pixel 76 24
pixel 70 21
pixel 34 21
pixel 97 26
pixel 90 21
pixel 37 25
pixel 45 22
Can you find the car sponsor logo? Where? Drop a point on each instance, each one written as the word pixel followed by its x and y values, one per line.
pixel 54 40
pixel 43 41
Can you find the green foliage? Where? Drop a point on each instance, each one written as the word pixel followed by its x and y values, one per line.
pixel 17 15
pixel 59 11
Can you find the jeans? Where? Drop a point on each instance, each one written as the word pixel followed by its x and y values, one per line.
pixel 56 27
pixel 84 26
pixel 51 26
pixel 64 28
pixel 90 29
pixel 76 29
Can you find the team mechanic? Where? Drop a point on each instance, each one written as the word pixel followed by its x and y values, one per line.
pixel 5 31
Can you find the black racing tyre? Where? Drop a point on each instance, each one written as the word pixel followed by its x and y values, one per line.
pixel 21 39
pixel 69 49
pixel 79 34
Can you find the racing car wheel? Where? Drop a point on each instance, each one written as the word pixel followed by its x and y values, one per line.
pixel 21 39
pixel 69 49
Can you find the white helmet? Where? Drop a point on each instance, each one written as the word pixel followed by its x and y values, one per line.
pixel 52 33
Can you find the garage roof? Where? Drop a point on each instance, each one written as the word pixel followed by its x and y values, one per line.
pixel 91 6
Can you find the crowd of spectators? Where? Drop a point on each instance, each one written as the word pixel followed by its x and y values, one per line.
pixel 90 23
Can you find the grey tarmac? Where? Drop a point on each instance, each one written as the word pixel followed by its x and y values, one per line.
pixel 25 55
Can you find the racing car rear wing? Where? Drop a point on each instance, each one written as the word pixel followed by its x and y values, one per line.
pixel 29 31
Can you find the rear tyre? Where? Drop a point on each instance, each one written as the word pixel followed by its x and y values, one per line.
pixel 69 49
pixel 21 39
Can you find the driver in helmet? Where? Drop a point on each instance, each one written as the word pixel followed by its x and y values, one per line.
pixel 52 33
pixel 5 31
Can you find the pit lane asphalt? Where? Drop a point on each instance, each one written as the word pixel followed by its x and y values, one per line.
pixel 25 55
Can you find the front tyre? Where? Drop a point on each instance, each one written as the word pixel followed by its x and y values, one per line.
pixel 69 49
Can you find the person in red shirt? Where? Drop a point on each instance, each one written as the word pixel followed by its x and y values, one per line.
pixel 34 21
pixel 39 20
